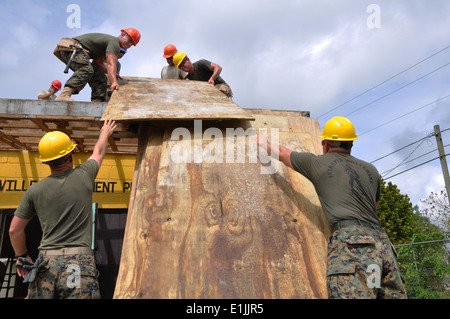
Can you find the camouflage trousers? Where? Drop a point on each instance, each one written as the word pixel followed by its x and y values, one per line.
pixel 362 264
pixel 66 277
pixel 85 72
pixel 225 89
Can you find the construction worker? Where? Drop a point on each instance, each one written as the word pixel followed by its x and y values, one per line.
pixel 170 71
pixel 100 48
pixel 361 260
pixel 202 70
pixel 50 93
pixel 62 201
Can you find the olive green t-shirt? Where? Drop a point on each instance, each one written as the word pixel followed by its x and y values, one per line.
pixel 202 72
pixel 348 188
pixel 63 204
pixel 98 44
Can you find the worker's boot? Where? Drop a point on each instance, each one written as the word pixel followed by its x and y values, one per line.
pixel 65 94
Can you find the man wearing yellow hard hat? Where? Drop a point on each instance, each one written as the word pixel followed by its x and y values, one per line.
pixel 361 261
pixel 62 201
pixel 202 70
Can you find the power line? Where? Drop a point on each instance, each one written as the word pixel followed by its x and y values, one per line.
pixel 423 138
pixel 441 67
pixel 392 77
pixel 412 160
pixel 414 167
pixel 398 150
pixel 397 118
pixel 406 157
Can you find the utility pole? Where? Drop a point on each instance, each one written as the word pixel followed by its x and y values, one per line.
pixel 444 166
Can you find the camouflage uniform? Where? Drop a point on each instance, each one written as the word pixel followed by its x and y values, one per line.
pixel 85 72
pixel 362 264
pixel 66 277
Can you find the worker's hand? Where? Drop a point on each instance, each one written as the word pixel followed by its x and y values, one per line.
pixel 108 127
pixel 115 86
pixel 211 81
pixel 261 140
pixel 20 270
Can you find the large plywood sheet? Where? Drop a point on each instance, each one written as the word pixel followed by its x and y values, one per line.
pixel 208 227
pixel 150 99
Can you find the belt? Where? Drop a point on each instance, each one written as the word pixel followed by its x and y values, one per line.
pixel 67 251
pixel 355 222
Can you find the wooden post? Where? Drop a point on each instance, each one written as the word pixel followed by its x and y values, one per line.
pixel 444 166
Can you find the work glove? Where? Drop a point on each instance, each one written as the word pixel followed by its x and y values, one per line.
pixel 32 268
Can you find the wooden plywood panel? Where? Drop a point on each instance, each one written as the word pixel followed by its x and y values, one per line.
pixel 150 99
pixel 214 229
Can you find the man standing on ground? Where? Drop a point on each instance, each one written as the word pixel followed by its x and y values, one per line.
pixel 202 70
pixel 100 48
pixel 63 203
pixel 361 261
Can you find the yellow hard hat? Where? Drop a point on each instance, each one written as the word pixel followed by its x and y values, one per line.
pixel 54 145
pixel 178 58
pixel 339 128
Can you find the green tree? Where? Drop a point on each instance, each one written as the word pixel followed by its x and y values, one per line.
pixel 395 212
pixel 437 207
pixel 424 261
pixel 424 266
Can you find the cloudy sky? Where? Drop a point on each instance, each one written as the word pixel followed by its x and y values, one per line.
pixel 381 63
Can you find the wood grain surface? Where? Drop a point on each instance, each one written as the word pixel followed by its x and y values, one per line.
pixel 152 99
pixel 211 228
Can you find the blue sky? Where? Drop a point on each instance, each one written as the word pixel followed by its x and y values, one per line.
pixel 304 55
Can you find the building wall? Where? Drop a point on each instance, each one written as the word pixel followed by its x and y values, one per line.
pixel 20 169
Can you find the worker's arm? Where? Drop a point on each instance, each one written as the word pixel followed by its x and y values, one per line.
pixel 51 91
pixel 111 60
pixel 282 153
pixel 100 147
pixel 100 63
pixel 18 239
pixel 216 71
pixel 44 96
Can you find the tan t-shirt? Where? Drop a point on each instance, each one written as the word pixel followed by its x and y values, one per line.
pixel 172 72
pixel 45 92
